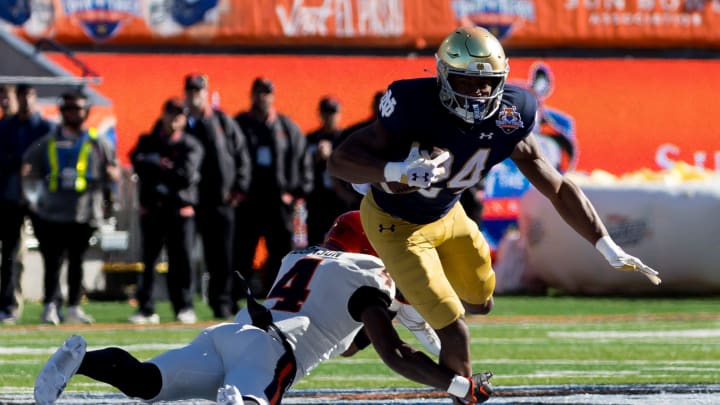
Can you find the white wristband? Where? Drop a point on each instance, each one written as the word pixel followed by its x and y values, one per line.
pixel 394 171
pixel 609 249
pixel 459 386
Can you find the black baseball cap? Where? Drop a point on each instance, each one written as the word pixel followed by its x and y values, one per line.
pixel 174 106
pixel 196 81
pixel 329 104
pixel 263 85
pixel 69 100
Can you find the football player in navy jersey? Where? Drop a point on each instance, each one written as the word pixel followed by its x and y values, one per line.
pixel 432 249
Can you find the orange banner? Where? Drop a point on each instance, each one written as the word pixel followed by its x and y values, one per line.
pixel 368 23
pixel 627 114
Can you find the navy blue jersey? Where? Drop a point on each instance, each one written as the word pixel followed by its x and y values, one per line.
pixel 411 112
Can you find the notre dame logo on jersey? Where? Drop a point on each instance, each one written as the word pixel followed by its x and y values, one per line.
pixel 387 104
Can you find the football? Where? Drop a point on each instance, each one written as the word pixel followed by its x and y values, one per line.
pixel 396 187
pixel 436 152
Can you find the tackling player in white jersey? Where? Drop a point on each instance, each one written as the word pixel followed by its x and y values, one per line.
pixel 324 300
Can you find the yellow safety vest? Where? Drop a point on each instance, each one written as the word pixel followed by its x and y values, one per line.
pixel 80 167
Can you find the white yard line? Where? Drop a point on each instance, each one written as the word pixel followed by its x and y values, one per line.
pixel 554 361
pixel 50 350
pixel 609 334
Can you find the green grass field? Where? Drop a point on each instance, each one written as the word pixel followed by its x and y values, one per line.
pixel 525 341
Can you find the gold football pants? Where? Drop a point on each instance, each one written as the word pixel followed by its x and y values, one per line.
pixel 436 266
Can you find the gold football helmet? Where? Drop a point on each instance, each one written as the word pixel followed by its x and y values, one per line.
pixel 471 52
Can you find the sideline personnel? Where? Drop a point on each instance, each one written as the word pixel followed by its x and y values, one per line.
pixel 17 133
pixel 225 178
pixel 167 162
pixel 65 175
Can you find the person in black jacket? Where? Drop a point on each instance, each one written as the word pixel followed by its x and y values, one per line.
pixel 225 178
pixel 17 132
pixel 167 163
pixel 282 176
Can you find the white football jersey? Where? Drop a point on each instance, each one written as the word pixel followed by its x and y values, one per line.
pixel 316 284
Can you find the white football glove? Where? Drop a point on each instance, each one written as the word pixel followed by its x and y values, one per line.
pixel 411 319
pixel 417 170
pixel 620 260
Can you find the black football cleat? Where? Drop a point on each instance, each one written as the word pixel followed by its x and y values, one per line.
pixel 481 389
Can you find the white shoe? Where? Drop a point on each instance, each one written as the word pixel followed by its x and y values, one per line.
pixel 139 318
pixel 229 395
pixel 76 315
pixel 187 316
pixel 411 319
pixel 50 314
pixel 58 370
pixel 8 318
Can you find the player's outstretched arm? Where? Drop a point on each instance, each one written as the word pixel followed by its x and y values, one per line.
pixel 416 365
pixel 574 207
pixel 567 198
pixel 400 356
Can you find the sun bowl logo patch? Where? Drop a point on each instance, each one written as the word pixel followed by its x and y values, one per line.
pixel 509 119
pixel 498 16
pixel 101 19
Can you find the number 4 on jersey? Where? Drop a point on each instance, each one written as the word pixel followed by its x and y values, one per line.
pixel 291 290
pixel 467 176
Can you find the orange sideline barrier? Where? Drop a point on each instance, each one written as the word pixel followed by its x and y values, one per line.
pixel 379 23
pixel 629 114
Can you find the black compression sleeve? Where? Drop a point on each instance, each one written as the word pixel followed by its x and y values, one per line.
pixel 120 369
pixel 364 297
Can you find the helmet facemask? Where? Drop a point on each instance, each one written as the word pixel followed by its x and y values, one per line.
pixel 471 53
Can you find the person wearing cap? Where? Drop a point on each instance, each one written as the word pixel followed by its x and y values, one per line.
pixel 224 181
pixel 17 132
pixel 282 178
pixel 324 202
pixel 167 163
pixel 64 178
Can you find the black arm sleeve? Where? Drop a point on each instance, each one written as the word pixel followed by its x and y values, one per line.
pixel 365 297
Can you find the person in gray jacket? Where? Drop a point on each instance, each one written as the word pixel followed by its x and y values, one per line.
pixel 64 176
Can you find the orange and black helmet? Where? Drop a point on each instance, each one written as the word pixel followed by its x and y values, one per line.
pixel 347 234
